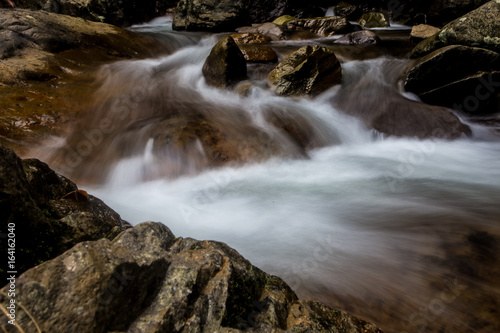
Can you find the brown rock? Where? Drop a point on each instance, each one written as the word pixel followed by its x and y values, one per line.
pixel 362 37
pixel 308 71
pixel 422 31
pixel 250 38
pixel 226 65
pixel 326 26
pixel 258 53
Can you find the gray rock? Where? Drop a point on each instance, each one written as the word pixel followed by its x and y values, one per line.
pixel 308 71
pixel 359 38
pixel 226 65
pixel 479 28
pixel 434 76
pixel 146 280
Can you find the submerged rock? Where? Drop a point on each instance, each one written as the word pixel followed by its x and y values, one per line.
pixel 479 28
pixel 226 65
pixel 359 38
pixel 308 71
pixel 374 20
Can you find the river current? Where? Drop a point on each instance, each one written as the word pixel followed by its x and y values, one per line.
pixel 399 231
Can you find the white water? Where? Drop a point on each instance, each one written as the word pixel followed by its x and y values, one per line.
pixel 362 219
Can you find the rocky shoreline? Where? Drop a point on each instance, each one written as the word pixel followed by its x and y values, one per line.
pixel 81 268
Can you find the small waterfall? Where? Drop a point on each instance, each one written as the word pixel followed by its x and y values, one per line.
pixel 402 232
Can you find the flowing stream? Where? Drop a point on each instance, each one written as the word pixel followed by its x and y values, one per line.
pixel 402 232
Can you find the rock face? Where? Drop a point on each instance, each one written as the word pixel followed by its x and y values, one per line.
pixel 146 280
pixel 443 11
pixel 327 26
pixel 362 37
pixel 37 44
pixel 56 213
pixel 120 13
pixel 225 15
pixel 479 28
pixel 308 71
pixel 457 76
pixel 226 65
pixel 373 20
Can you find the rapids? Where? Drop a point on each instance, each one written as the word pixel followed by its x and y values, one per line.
pixel 401 232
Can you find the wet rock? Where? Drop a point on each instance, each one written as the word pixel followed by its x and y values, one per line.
pixel 146 280
pixel 261 11
pixel 308 71
pixel 226 65
pixel 350 11
pixel 422 31
pixel 40 44
pixel 435 77
pixel 225 15
pixel 324 26
pixel 419 120
pixel 479 28
pixel 35 198
pixel 250 38
pixel 258 53
pixel 374 20
pixel 359 38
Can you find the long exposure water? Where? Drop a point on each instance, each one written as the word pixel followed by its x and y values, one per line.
pixel 400 231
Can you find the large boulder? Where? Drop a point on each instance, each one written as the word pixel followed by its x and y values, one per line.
pixel 120 13
pixel 350 11
pixel 146 280
pixel 479 28
pixel 47 212
pixel 38 45
pixel 308 71
pixel 434 76
pixel 321 26
pixel 226 65
pixel 225 15
pixel 363 37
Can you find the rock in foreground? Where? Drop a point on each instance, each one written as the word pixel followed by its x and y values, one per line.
pixel 308 71
pixel 50 214
pixel 146 280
